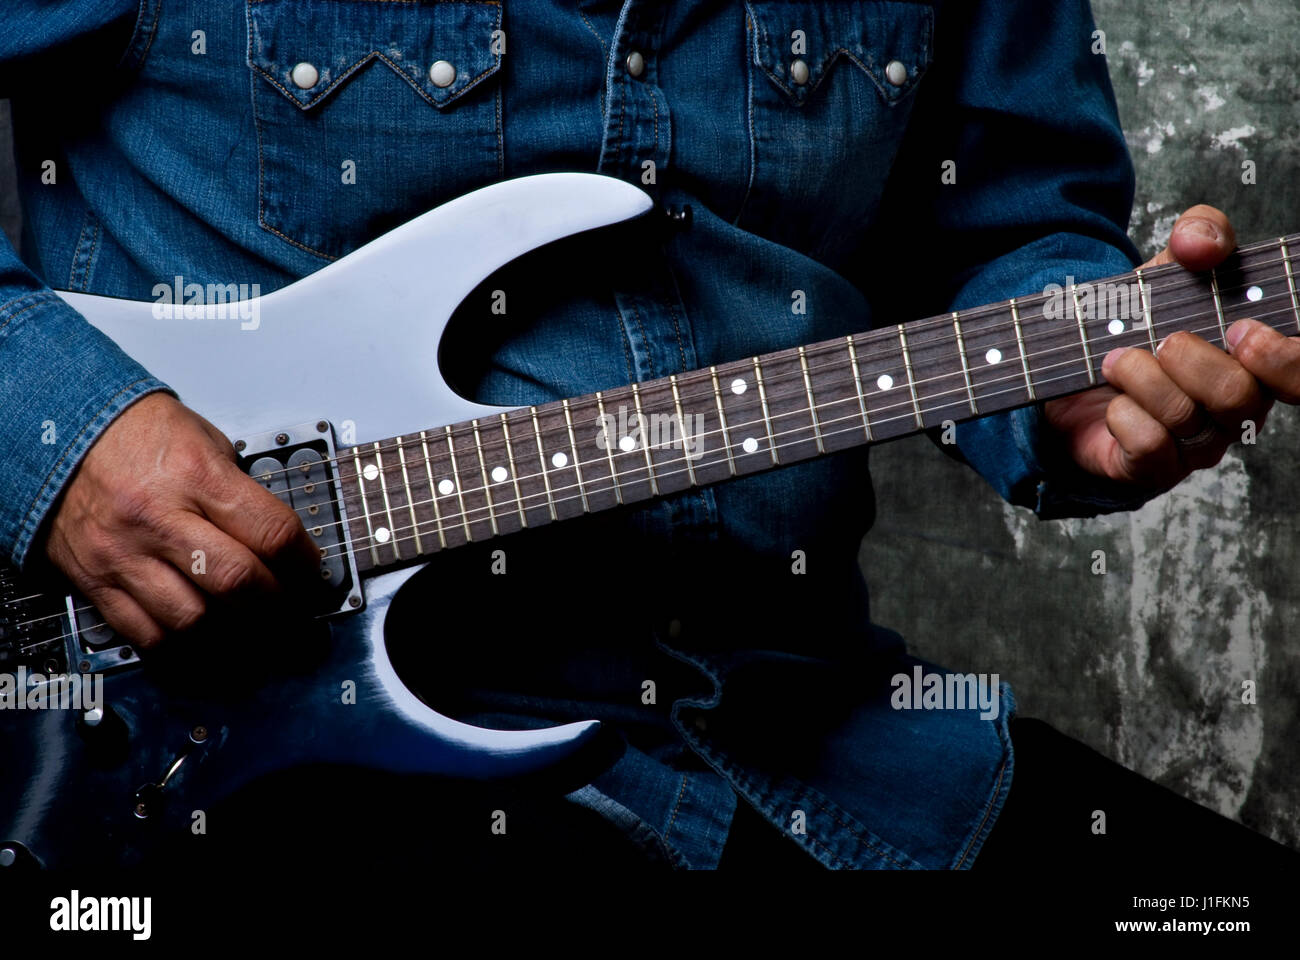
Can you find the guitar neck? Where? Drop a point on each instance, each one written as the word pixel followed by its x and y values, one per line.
pixel 414 495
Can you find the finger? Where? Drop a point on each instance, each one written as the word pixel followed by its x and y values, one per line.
pixel 1226 389
pixel 1144 451
pixel 215 562
pixel 126 616
pixel 1143 379
pixel 1140 375
pixel 1201 238
pixel 1268 355
pixel 265 525
pixel 170 600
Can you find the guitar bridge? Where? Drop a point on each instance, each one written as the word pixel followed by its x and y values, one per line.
pixel 298 465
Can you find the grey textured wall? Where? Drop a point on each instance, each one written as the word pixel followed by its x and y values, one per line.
pixel 1203 589
pixel 1202 592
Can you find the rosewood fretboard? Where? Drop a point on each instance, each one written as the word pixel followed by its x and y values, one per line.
pixel 413 495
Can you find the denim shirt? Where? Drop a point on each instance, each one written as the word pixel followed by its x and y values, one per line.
pixel 846 163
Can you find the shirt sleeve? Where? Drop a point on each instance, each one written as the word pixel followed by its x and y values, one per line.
pixel 1014 175
pixel 61 381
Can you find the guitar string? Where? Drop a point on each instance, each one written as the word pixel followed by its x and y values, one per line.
pixel 642 473
pixel 413 444
pixel 835 350
pixel 511 505
pixel 357 545
pixel 832 347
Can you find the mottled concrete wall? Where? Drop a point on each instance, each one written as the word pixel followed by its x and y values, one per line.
pixel 1145 663
pixel 1203 589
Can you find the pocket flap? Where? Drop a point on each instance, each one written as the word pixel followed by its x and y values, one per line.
pixel 873 34
pixel 327 41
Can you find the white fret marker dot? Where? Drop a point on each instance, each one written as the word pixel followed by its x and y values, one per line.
pixel 626 444
pixel 445 487
pixel 370 471
pixel 559 459
pixel 750 445
pixel 885 381
pixel 381 534
pixel 499 474
pixel 994 356
pixel 1254 294
pixel 1116 327
pixel 738 386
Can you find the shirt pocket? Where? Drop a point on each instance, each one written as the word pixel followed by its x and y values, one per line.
pixel 832 87
pixel 369 112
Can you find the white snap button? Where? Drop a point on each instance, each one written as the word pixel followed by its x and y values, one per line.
pixel 304 76
pixel 799 72
pixel 635 63
pixel 896 73
pixel 442 74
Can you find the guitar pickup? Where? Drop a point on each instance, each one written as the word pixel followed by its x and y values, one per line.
pixel 298 466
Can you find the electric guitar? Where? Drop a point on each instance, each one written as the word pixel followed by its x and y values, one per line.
pixel 387 465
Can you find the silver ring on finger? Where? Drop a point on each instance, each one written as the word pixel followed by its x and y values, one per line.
pixel 1208 436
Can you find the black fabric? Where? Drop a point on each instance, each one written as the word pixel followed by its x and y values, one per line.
pixel 1048 818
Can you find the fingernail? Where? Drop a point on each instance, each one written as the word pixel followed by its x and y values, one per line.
pixel 1237 331
pixel 1108 361
pixel 1201 228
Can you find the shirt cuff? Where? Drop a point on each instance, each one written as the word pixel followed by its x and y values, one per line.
pixel 62 382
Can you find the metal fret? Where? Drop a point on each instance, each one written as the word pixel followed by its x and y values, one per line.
pixel 388 510
pixel 433 492
pixel 911 381
pixel 722 420
pixel 482 465
pixel 541 456
pixel 812 404
pixel 645 441
pixel 514 472
pixel 1020 341
pixel 609 448
pixel 1146 309
pixel 681 427
pixel 857 383
pixel 365 506
pixel 1083 333
pixel 767 419
pixel 410 497
pixel 577 461
pixel 965 367
pixel 460 496
pixel 1218 305
pixel 1290 282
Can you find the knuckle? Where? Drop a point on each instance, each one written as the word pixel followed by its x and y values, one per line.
pixel 136 507
pixel 1179 411
pixel 280 529
pixel 194 467
pixel 1150 447
pixel 230 579
pixel 187 616
pixel 1237 389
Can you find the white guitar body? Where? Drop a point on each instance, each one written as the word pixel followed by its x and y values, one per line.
pixel 355 343
pixel 341 324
